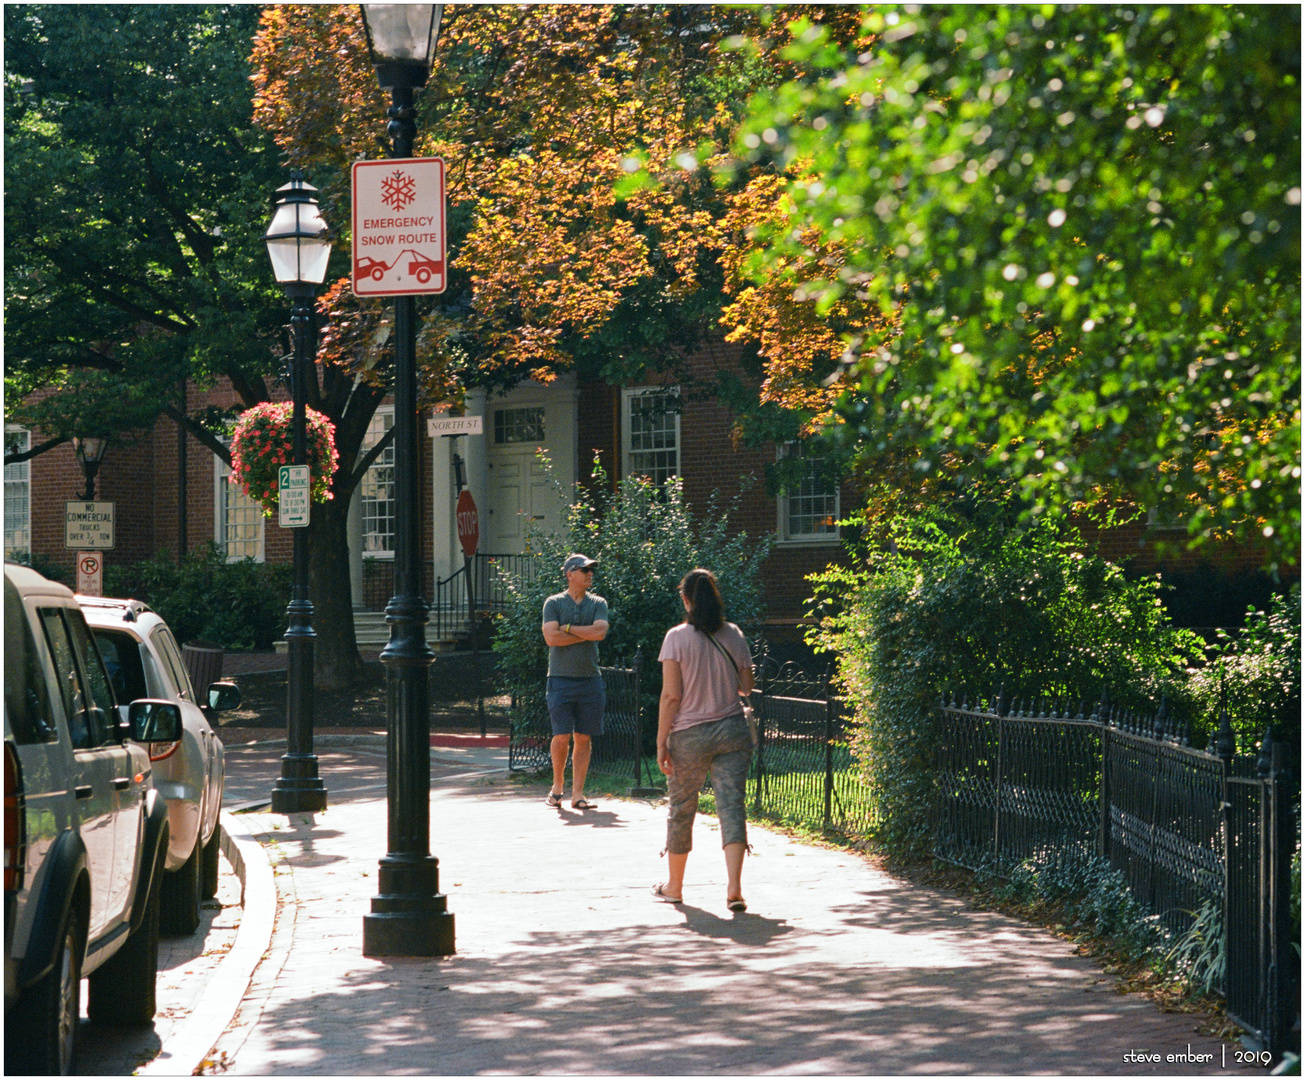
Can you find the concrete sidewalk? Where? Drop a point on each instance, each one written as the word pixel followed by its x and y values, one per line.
pixel 565 964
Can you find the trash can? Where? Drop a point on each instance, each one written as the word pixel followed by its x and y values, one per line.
pixel 203 660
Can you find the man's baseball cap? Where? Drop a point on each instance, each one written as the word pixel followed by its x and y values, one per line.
pixel 578 562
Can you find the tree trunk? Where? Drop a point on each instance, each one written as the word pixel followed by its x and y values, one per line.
pixel 336 663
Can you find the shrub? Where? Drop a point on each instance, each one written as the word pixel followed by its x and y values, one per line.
pixel 987 605
pixel 645 540
pixel 1258 673
pixel 238 605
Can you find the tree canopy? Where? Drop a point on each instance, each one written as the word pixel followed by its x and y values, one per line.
pixel 1079 228
pixel 136 192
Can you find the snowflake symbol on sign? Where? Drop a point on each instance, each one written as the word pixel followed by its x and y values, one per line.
pixel 398 190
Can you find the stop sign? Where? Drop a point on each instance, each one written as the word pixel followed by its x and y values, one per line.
pixel 468 523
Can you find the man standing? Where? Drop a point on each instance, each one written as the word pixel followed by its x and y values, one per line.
pixel 575 621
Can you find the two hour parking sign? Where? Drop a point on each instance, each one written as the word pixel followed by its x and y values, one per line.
pixel 398 227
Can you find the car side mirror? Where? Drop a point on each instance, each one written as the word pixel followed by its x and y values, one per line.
pixel 223 696
pixel 151 720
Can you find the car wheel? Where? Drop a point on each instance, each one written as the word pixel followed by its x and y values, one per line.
pixel 181 896
pixel 209 864
pixel 122 990
pixel 48 1013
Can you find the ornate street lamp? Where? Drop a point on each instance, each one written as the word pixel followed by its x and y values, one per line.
pixel 90 452
pixel 299 248
pixel 409 915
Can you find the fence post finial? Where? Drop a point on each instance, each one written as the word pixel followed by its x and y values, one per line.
pixel 1225 743
pixel 1000 708
pixel 1162 719
pixel 1264 763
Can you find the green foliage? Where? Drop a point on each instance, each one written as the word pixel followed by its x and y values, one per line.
pixel 239 605
pixel 136 194
pixel 1257 673
pixel 1085 223
pixel 1200 955
pixel 1087 893
pixel 645 540
pixel 982 605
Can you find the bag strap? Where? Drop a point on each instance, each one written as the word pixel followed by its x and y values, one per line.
pixel 725 653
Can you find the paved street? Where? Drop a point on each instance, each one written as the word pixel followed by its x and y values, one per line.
pixel 565 964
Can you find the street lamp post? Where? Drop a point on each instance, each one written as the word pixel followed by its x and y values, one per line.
pixel 298 246
pixel 90 452
pixel 409 915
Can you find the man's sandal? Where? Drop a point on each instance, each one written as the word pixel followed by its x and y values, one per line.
pixel 583 804
pixel 665 897
pixel 554 800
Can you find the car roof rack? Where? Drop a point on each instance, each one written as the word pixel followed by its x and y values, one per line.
pixel 131 608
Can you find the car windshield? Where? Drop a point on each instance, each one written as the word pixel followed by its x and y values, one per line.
pixel 122 660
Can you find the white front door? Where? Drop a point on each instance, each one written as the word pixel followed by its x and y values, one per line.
pixel 520 492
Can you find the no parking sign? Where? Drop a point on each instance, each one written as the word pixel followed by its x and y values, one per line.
pixel 90 573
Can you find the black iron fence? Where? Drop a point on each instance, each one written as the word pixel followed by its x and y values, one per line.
pixel 1189 829
pixel 617 752
pixel 449 602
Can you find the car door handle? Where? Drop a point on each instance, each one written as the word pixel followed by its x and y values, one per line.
pixel 122 783
pixel 84 791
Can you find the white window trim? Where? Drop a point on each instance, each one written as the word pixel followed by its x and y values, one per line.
pixel 22 475
pixel 628 394
pixel 383 556
pixel 221 470
pixel 782 537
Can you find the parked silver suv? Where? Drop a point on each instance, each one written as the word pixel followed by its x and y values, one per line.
pixel 86 834
pixel 144 661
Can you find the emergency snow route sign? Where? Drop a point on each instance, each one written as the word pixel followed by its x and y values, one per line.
pixel 398 227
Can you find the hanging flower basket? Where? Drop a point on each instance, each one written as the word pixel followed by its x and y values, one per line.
pixel 263 441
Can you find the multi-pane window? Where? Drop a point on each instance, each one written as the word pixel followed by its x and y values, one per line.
pixel 519 425
pixel 808 510
pixel 376 491
pixel 238 519
pixel 18 494
pixel 652 433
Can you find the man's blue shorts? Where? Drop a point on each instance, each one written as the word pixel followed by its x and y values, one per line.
pixel 576 705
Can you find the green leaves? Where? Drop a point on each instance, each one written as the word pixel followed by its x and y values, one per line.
pixel 1085 223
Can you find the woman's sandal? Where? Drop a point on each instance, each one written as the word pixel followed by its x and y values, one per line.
pixel 737 905
pixel 665 897
pixel 554 800
pixel 583 804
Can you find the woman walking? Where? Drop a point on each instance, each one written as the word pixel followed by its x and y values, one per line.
pixel 701 728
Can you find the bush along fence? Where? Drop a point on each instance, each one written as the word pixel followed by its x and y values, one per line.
pixel 1201 836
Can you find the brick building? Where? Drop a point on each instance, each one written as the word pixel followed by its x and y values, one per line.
pixel 651 428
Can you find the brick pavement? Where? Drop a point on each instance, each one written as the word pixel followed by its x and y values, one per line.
pixel 565 964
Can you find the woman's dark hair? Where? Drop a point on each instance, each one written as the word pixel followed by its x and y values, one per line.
pixel 706 608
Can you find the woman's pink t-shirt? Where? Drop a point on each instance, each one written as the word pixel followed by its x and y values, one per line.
pixel 711 682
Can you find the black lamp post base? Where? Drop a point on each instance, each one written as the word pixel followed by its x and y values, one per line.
pixel 298 790
pixel 409 916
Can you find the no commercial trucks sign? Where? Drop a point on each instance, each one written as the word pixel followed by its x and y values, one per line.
pixel 398 227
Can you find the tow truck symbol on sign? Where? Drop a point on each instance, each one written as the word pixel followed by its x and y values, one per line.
pixel 416 264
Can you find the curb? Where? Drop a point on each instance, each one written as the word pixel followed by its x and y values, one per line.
pixel 221 999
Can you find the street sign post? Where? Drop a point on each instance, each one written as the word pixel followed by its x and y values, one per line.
pixel 292 487
pixel 90 573
pixel 398 227
pixel 88 526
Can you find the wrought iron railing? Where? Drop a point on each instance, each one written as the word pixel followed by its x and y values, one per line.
pixel 449 611
pixel 1188 828
pixel 618 751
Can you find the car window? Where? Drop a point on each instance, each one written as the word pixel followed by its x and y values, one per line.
pixel 85 727
pixel 27 695
pixel 121 654
pixel 166 645
pixel 97 679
